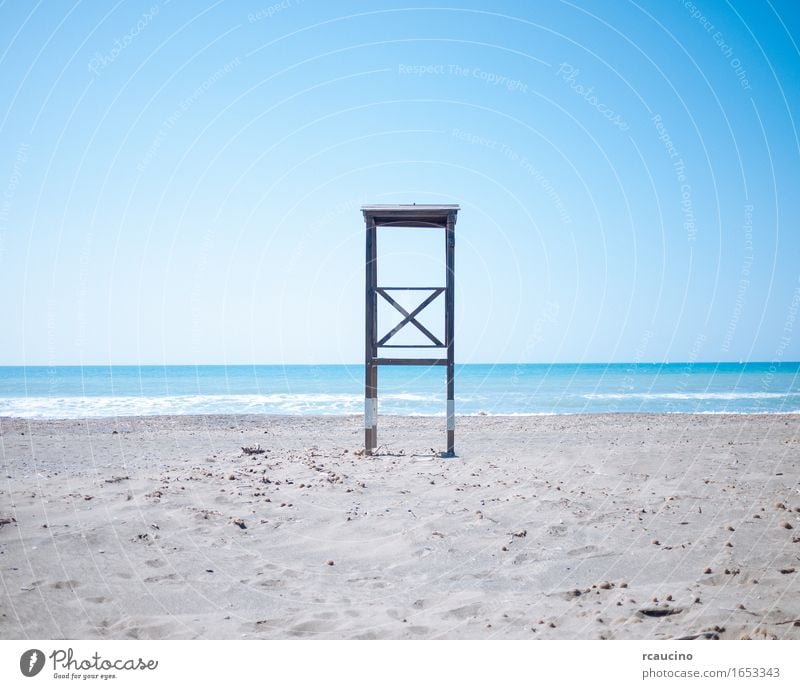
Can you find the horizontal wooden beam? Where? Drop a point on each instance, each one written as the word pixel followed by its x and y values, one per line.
pixel 433 223
pixel 412 346
pixel 406 207
pixel 439 289
pixel 409 362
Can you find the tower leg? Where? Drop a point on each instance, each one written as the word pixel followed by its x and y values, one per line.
pixel 370 343
pixel 451 428
pixel 371 410
pixel 449 318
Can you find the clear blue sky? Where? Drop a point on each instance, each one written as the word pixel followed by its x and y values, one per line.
pixel 180 182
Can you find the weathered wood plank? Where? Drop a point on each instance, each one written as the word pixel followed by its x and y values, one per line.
pixel 449 309
pixel 391 361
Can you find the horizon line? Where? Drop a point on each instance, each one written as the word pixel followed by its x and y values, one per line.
pixel 475 363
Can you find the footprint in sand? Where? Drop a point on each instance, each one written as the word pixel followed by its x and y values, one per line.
pixel 464 612
pixel 271 583
pixel 165 577
pixel 69 584
pixel 98 599
pixel 585 550
pixel 156 631
pixel 309 628
pixel 366 636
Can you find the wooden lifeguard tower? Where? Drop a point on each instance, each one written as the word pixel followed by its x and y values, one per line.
pixel 407 215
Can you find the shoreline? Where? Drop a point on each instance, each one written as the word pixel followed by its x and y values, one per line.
pixel 793 415
pixel 576 526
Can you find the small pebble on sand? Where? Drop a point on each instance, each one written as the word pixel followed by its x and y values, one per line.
pixel 623 584
pixel 655 541
pixel 707 570
pixel 786 525
pixel 329 563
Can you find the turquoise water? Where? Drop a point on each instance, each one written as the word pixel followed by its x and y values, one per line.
pixel 91 391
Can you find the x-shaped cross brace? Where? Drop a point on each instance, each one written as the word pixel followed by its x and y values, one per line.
pixel 410 317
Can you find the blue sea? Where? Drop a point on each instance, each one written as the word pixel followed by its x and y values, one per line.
pixel 517 389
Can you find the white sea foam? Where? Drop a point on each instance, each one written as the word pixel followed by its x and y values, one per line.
pixel 780 412
pixel 690 395
pixel 290 404
pixel 402 403
pixel 409 397
pixel 80 407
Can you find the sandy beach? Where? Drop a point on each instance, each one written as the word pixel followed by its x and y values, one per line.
pixel 551 527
